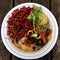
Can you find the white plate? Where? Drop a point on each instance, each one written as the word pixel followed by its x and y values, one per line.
pixel 30 55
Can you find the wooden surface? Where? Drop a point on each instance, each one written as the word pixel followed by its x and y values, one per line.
pixel 52 5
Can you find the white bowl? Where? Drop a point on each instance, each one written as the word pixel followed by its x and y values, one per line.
pixel 30 55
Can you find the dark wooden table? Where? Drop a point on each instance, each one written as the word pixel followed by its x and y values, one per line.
pixel 53 5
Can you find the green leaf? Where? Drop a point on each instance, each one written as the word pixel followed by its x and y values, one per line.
pixel 36 15
pixel 30 16
pixel 46 26
pixel 37 9
pixel 40 16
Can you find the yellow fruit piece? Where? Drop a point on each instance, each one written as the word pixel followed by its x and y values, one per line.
pixel 24 39
pixel 45 20
pixel 49 37
pixel 26 48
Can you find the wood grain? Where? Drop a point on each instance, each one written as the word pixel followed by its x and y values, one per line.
pixel 46 4
pixel 15 58
pixel 4 54
pixel 55 8
pixel 16 2
pixel 53 5
pixel 42 2
pixel 5 6
pixel 21 1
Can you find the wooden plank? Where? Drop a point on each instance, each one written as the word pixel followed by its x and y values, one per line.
pixel 42 2
pixel 46 57
pixel 16 2
pixel 55 7
pixel 45 3
pixel 56 51
pixel 4 54
pixel 5 6
pixel 21 1
pixel 15 58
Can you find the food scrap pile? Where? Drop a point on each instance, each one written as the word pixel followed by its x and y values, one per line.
pixel 29 28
